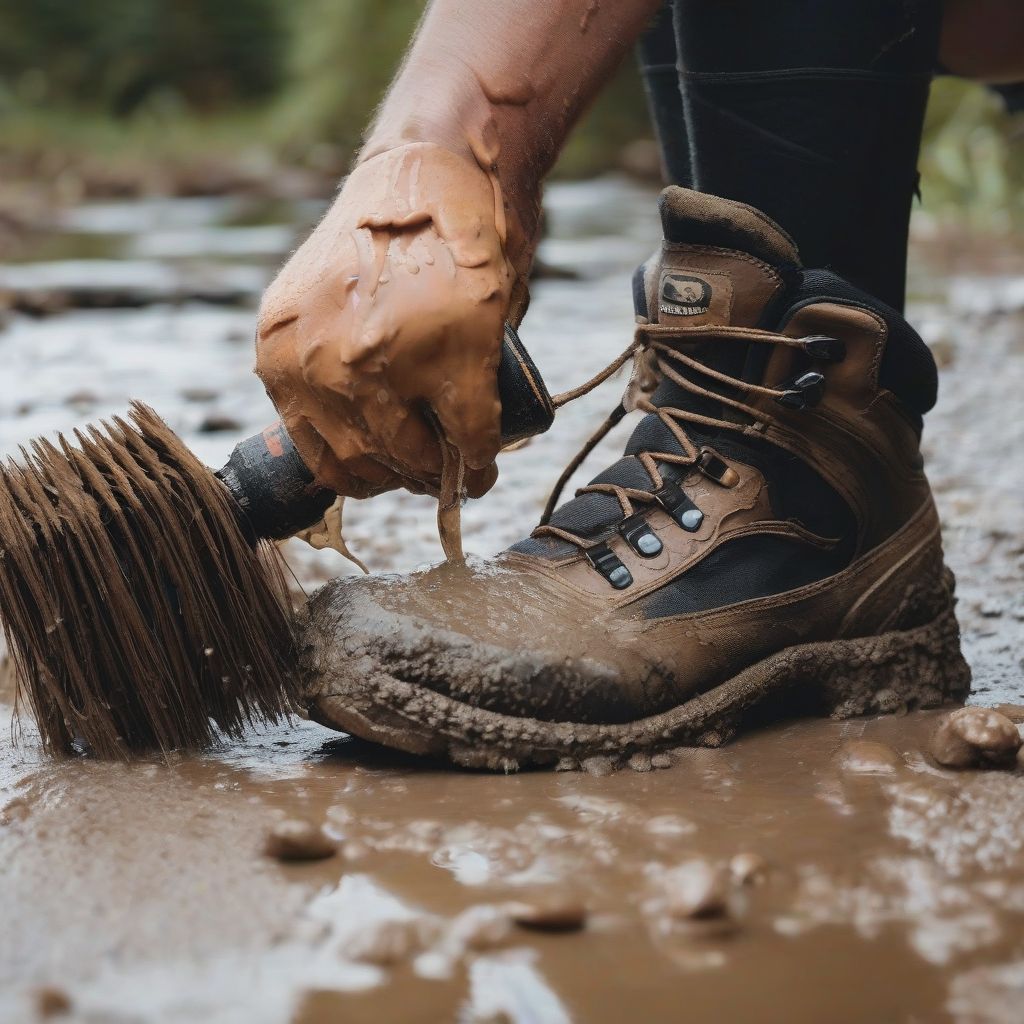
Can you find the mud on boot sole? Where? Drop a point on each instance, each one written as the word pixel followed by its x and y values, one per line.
pixel 920 667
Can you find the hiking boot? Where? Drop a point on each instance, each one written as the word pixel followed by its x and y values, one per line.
pixel 767 545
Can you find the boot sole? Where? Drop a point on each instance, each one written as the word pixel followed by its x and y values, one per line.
pixel 921 667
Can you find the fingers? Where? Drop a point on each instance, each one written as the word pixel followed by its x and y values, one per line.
pixel 355 477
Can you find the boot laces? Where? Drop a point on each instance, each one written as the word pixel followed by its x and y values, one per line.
pixel 652 346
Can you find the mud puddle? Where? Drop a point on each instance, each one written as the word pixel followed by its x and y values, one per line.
pixel 892 890
pixel 816 871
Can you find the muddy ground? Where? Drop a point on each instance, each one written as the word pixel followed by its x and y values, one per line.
pixel 817 871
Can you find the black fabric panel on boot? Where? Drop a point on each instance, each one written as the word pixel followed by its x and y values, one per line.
pixel 795 491
pixel 812 112
pixel 742 570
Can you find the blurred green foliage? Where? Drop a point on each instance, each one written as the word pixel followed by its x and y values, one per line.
pixel 972 160
pixel 300 78
pixel 117 55
pixel 343 55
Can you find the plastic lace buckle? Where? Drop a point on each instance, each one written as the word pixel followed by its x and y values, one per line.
pixel 608 564
pixel 674 501
pixel 805 392
pixel 637 533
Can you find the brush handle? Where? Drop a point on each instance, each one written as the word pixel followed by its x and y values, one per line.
pixel 277 493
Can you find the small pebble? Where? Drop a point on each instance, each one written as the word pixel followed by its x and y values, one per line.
pixel 567 764
pixel 295 840
pixel 598 766
pixel 81 399
pixel 698 890
pixel 640 762
pixel 970 737
pixel 481 927
pixel 217 423
pixel 387 943
pixel 52 1002
pixel 748 869
pixel 199 394
pixel 661 761
pixel 1014 712
pixel 865 757
pixel 549 912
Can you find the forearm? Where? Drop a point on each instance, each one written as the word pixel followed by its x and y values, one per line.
pixel 503 81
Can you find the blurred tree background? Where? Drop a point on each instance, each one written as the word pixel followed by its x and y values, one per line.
pixel 115 87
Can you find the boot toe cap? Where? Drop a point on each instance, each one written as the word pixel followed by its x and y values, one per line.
pixel 492 639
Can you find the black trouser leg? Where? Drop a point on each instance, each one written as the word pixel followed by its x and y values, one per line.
pixel 656 55
pixel 810 110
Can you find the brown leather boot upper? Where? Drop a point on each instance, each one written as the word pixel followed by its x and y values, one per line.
pixel 771 500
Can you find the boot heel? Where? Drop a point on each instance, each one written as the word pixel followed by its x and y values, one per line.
pixel 917 667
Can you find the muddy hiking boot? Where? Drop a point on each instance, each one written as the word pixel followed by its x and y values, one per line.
pixel 767 545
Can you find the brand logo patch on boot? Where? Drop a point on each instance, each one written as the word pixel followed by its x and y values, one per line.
pixel 682 295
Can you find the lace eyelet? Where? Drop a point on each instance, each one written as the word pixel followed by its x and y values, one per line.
pixel 640 537
pixel 674 501
pixel 714 467
pixel 608 564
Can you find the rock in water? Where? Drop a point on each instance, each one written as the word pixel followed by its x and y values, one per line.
pixel 549 912
pixel 296 840
pixel 598 766
pixel 972 737
pixel 387 943
pixel 52 1002
pixel 697 890
pixel 748 869
pixel 865 757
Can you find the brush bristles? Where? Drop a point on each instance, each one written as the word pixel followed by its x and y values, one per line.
pixel 138 615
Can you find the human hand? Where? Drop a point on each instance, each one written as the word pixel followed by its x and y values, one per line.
pixel 384 329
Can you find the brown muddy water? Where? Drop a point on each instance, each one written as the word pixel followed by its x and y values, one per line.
pixel 816 871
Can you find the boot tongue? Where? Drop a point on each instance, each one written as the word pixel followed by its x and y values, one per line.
pixel 719 263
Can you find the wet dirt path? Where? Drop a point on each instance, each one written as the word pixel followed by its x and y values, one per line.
pixel 885 889
pixel 888 889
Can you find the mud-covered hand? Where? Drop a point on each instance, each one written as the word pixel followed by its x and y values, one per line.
pixel 385 327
